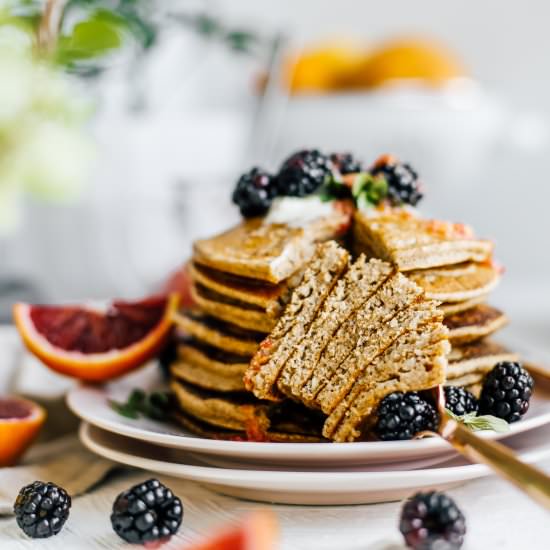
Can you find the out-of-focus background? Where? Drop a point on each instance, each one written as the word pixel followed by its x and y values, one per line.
pixel 143 131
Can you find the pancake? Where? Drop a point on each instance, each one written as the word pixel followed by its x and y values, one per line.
pixel 219 334
pixel 478 357
pixel 195 366
pixel 449 308
pixel 270 298
pixel 457 283
pixel 231 311
pixel 268 252
pixel 413 243
pixel 243 413
pixel 474 324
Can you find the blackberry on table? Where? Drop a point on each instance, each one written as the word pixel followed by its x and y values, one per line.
pixel 431 521
pixel 346 163
pixel 303 173
pixel 146 512
pixel 41 509
pixel 254 192
pixel 403 184
pixel 402 415
pixel 460 401
pixel 506 392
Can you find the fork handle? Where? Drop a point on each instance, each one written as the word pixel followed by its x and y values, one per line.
pixel 532 481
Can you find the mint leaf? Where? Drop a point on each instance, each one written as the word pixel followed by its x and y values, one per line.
pixel 481 423
pixel 156 405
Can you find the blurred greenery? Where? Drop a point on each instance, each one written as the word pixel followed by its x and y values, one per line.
pixel 92 30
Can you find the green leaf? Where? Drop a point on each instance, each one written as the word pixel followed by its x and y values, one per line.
pixel 124 409
pixel 100 34
pixel 481 423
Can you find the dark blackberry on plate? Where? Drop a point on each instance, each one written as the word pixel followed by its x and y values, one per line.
pixel 402 415
pixel 346 163
pixel 254 193
pixel 41 509
pixel 404 187
pixel 146 512
pixel 460 401
pixel 431 521
pixel 506 392
pixel 303 173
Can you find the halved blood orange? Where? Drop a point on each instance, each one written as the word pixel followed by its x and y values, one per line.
pixel 94 343
pixel 20 422
pixel 257 531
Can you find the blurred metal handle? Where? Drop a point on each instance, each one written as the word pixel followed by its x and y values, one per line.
pixel 532 481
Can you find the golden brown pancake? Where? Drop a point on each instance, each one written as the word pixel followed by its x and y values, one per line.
pixel 474 324
pixel 268 252
pixel 217 333
pixel 413 243
pixel 457 283
pixel 231 311
pixel 477 357
pixel 209 370
pixel 270 298
pixel 449 308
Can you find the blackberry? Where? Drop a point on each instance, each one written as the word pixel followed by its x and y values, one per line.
pixel 303 172
pixel 403 184
pixel 41 509
pixel 402 415
pixel 460 401
pixel 432 521
pixel 146 512
pixel 254 192
pixel 506 391
pixel 346 163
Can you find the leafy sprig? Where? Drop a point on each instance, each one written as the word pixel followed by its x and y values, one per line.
pixel 366 190
pixel 481 423
pixel 155 405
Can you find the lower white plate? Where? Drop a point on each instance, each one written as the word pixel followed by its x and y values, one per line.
pixel 91 403
pixel 354 486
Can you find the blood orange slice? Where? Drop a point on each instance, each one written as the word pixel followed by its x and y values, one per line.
pixel 20 422
pixel 96 343
pixel 258 531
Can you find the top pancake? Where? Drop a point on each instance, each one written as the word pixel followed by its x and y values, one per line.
pixel 411 243
pixel 268 252
pixel 457 283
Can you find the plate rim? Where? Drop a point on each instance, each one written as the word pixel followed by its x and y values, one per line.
pixel 250 450
pixel 336 480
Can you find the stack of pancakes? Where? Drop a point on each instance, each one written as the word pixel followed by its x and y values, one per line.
pixel 453 267
pixel 241 283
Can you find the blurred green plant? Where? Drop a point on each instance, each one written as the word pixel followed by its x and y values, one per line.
pixel 84 33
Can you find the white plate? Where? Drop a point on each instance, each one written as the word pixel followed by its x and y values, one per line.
pixel 303 487
pixel 91 403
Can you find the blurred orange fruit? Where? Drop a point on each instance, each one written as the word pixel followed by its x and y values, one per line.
pixel 20 423
pixel 321 69
pixel 93 343
pixel 412 58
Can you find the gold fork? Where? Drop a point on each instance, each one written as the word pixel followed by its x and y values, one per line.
pixel 529 479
